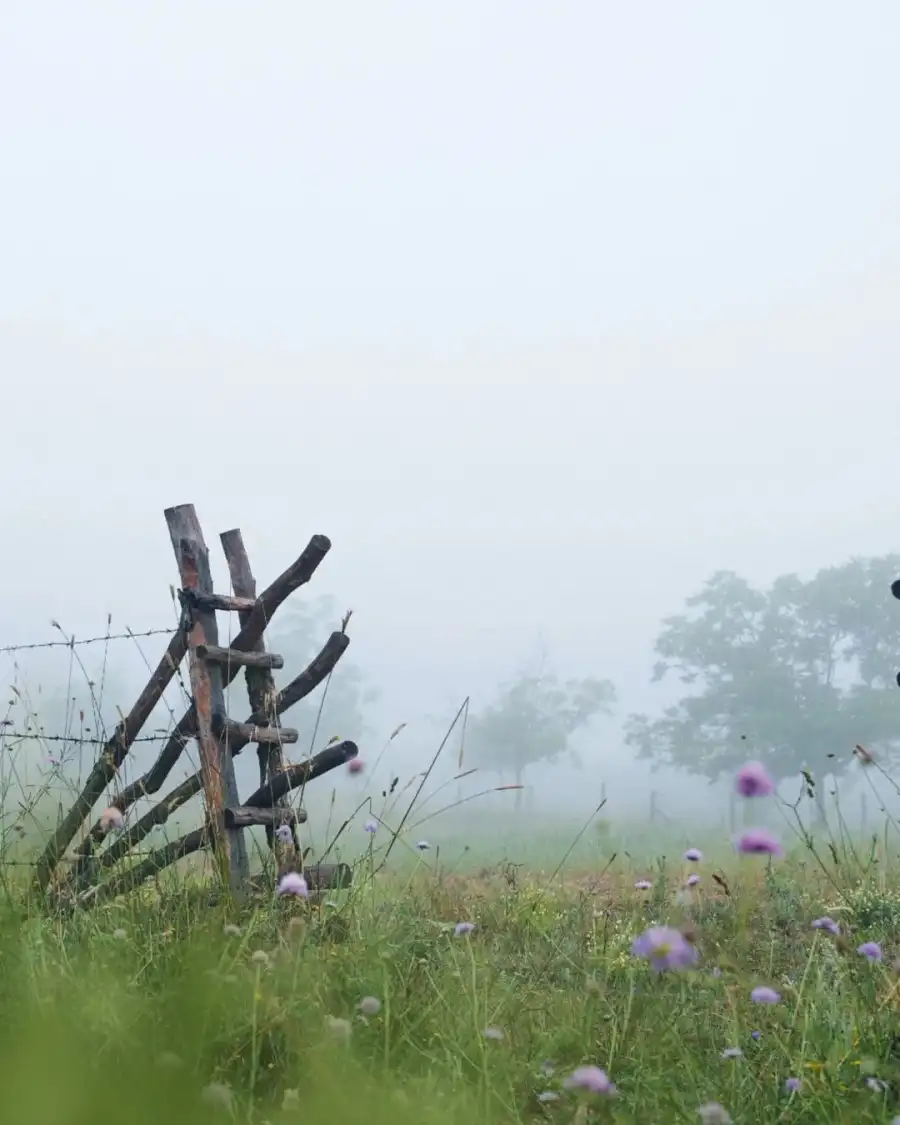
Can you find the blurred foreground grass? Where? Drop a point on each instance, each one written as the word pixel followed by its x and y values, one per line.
pixel 167 1011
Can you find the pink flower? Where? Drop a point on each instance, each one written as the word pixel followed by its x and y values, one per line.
pixel 590 1079
pixel 293 883
pixel 757 841
pixel 355 765
pixel 643 885
pixel 112 819
pixel 692 881
pixel 753 780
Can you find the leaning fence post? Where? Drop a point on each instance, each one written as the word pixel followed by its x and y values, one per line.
pixel 219 784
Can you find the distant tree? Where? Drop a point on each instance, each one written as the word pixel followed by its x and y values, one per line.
pixel 298 636
pixel 533 720
pixel 794 675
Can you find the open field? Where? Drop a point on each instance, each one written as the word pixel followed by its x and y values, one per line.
pixel 152 1010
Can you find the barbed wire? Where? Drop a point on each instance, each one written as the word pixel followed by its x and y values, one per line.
pixel 72 642
pixel 18 734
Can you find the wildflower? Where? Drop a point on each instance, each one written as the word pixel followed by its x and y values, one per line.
pixel 665 948
pixel 792 1085
pixel 865 756
pixel 283 834
pixel 218 1095
pixel 758 841
pixel 732 1053
pixel 355 765
pixel 548 1096
pixel 423 846
pixel 371 826
pixel 231 930
pixel 492 1033
pixel 876 1085
pixel 713 1114
pixel 112 820
pixel 291 1100
pixel 259 957
pixel 871 950
pixel 462 928
pixel 828 924
pixel 753 780
pixel 120 935
pixel 370 1005
pixel 765 995
pixel 643 885
pixel 590 1079
pixel 293 883
pixel 757 1035
pixel 339 1028
pixel 693 855
pixel 692 881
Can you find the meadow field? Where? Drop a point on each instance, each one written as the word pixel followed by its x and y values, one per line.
pixel 449 989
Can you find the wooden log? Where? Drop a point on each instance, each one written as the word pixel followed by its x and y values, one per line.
pixel 157 861
pixel 328 876
pixel 248 816
pixel 213 654
pixel 185 730
pixel 111 757
pixel 262 736
pixel 261 690
pixel 217 768
pixel 90 867
pixel 895 587
pixel 301 774
pixel 226 602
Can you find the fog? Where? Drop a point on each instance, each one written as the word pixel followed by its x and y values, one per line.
pixel 542 314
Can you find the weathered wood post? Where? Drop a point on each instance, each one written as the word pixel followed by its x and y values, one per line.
pixel 219 784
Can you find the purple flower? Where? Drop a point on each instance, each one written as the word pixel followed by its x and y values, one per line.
pixel 764 995
pixel 643 885
pixel 463 928
pixel 828 924
pixel 665 948
pixel 752 780
pixel 692 880
pixel 759 842
pixel 371 826
pixel 792 1085
pixel 871 950
pixel 590 1079
pixel 293 883
pixel 755 1035
pixel 694 855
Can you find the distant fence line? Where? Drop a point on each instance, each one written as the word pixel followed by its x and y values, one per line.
pixel 72 642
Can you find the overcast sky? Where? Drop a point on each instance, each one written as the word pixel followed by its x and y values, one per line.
pixel 542 312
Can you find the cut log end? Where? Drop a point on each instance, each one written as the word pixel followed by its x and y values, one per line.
pixel 246 816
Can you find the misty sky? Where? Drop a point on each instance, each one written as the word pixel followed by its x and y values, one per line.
pixel 542 312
